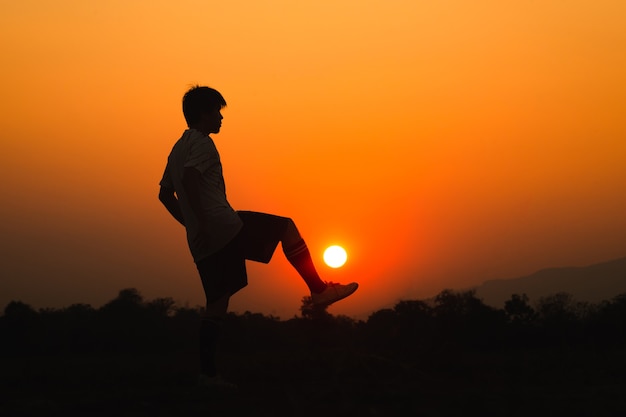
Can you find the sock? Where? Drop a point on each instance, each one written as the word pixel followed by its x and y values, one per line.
pixel 209 335
pixel 298 255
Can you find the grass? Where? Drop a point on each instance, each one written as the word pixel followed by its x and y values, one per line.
pixel 329 382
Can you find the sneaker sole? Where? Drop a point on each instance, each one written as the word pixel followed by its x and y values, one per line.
pixel 327 303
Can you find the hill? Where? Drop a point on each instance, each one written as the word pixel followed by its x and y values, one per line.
pixel 593 283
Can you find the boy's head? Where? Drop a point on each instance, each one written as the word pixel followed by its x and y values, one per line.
pixel 198 101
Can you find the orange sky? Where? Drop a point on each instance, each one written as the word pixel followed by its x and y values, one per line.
pixel 443 143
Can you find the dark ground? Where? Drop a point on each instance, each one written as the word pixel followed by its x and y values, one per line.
pixel 320 382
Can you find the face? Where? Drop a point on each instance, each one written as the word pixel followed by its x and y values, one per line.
pixel 212 121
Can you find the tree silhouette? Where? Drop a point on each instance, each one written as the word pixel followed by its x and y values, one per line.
pixel 463 319
pixel 518 309
pixel 125 323
pixel 556 308
pixel 556 314
pixel 452 320
pixel 128 301
pixel 608 324
pixel 22 328
pixel 312 311
pixel 161 307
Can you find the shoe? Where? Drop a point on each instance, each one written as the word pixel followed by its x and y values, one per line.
pixel 333 292
pixel 215 383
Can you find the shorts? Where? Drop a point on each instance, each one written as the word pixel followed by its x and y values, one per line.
pixel 224 272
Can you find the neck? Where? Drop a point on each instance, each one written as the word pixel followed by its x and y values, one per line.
pixel 199 128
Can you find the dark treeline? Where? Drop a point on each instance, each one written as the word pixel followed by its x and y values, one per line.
pixel 449 322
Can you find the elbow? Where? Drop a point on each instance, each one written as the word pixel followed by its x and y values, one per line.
pixel 165 195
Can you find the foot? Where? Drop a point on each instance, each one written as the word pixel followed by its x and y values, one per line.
pixel 215 383
pixel 333 292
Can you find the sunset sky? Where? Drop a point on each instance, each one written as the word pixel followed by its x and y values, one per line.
pixel 441 142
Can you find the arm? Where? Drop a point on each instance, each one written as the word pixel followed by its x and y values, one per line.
pixel 191 185
pixel 169 200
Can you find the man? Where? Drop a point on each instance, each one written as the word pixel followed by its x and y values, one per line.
pixel 220 238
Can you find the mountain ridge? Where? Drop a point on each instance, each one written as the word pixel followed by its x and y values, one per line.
pixel 592 283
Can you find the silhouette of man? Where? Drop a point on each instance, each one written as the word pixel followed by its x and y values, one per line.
pixel 221 239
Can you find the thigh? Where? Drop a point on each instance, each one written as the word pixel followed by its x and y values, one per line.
pixel 261 234
pixel 223 273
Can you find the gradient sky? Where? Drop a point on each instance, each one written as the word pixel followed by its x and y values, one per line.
pixel 441 142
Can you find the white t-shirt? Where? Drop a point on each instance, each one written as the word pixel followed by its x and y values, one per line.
pixel 197 150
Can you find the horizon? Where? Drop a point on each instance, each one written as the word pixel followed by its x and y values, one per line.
pixel 479 292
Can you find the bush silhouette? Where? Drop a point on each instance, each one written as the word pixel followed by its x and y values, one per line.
pixel 452 320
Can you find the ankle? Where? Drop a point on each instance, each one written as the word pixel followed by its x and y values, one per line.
pixel 319 288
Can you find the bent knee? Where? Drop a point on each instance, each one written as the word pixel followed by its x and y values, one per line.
pixel 291 235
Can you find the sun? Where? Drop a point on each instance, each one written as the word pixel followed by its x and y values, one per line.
pixel 335 256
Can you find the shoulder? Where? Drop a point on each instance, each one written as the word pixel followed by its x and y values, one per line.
pixel 198 140
pixel 192 142
pixel 191 136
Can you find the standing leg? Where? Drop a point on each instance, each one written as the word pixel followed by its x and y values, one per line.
pixel 210 328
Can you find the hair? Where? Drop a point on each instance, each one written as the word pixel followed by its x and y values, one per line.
pixel 199 99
